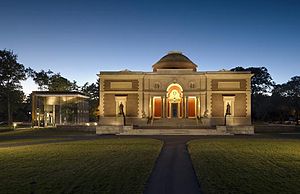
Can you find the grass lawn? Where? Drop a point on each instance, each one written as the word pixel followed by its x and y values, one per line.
pixel 89 166
pixel 247 165
pixel 28 140
pixel 44 132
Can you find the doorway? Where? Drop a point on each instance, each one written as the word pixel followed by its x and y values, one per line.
pixel 174 110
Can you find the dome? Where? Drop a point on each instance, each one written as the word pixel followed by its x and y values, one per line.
pixel 174 60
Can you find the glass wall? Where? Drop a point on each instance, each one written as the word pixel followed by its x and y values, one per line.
pixel 59 110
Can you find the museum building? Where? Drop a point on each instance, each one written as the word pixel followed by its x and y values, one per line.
pixel 175 92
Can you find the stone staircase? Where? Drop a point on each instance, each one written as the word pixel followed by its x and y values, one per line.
pixel 173 126
pixel 171 123
pixel 174 132
pixel 165 126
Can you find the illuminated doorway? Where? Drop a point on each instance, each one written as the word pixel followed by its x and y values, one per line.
pixel 175 102
pixel 174 110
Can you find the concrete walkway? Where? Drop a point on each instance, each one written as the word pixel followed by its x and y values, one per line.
pixel 173 172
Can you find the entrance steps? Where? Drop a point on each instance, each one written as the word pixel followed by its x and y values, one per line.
pixel 174 132
pixel 165 126
pixel 173 126
pixel 171 123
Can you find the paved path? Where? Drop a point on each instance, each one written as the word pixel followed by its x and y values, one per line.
pixel 173 172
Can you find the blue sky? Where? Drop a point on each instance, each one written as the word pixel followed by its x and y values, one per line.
pixel 81 38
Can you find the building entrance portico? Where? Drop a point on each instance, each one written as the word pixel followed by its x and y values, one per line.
pixel 169 104
pixel 174 104
pixel 175 99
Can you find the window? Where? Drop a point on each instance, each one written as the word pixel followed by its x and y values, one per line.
pixel 192 85
pixel 156 85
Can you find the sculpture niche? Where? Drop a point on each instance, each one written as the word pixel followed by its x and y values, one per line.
pixel 121 107
pixel 227 112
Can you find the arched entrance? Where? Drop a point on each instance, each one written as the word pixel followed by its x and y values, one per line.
pixel 174 101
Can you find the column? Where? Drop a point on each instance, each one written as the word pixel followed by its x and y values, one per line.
pixel 209 98
pixel 163 107
pixel 248 99
pixel 202 104
pixel 140 104
pixel 101 98
pixel 186 107
pixel 182 111
pixel 151 107
pixel 168 108
pixel 197 107
pixel 146 104
pixel 141 99
pixel 183 107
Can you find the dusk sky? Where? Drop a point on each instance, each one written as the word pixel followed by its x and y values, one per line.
pixel 81 38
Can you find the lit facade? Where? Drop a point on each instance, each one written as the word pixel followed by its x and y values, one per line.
pixel 175 91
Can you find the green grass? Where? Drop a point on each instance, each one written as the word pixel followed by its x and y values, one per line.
pixel 44 132
pixel 89 166
pixel 5 129
pixel 26 140
pixel 247 165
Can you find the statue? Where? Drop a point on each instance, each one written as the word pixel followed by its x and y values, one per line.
pixel 205 115
pixel 227 112
pixel 228 109
pixel 121 108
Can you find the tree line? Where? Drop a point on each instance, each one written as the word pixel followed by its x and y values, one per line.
pixel 270 101
pixel 15 106
pixel 273 102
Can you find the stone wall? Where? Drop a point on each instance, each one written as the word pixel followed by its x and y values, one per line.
pixel 134 85
pixel 214 84
pixel 232 121
pixel 132 105
pixel 240 105
pixel 109 105
pixel 247 130
pixel 217 105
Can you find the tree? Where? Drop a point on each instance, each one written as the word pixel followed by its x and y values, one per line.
pixel 261 82
pixel 47 80
pixel 41 78
pixel 59 83
pixel 261 85
pixel 291 91
pixel 92 90
pixel 74 86
pixel 11 73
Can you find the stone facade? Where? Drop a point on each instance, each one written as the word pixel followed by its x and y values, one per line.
pixel 176 90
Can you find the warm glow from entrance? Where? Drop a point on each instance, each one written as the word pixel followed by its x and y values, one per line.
pixel 174 96
pixel 192 107
pixel 176 86
pixel 157 102
pixel 175 100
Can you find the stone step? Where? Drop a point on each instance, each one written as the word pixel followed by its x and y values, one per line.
pixel 173 127
pixel 173 132
pixel 168 123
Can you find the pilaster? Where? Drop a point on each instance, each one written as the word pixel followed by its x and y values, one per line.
pixel 209 98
